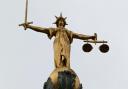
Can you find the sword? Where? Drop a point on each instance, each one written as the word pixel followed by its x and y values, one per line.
pixel 26 15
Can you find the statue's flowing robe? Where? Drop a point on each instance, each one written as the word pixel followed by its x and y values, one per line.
pixel 62 46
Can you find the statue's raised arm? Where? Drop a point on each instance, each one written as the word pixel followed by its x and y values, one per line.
pixel 39 29
pixel 48 31
pixel 26 24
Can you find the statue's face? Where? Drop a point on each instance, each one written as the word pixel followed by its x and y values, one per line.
pixel 61 23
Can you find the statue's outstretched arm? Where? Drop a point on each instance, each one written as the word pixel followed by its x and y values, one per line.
pixel 83 37
pixel 49 31
pixel 39 29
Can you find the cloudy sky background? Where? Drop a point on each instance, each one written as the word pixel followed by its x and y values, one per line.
pixel 26 57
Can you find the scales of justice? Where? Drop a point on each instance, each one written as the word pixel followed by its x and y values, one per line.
pixel 63 77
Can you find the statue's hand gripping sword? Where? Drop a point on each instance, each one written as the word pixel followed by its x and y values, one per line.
pixel 26 14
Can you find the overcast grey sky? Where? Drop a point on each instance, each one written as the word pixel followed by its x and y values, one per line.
pixel 26 57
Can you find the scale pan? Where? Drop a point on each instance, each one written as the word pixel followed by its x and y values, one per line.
pixel 87 47
pixel 104 48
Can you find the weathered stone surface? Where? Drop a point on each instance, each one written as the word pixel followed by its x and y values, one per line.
pixel 63 78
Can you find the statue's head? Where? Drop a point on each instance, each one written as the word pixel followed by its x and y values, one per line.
pixel 60 21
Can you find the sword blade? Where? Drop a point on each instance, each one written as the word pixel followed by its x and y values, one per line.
pixel 26 11
pixel 26 15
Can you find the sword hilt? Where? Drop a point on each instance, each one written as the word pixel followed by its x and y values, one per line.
pixel 24 24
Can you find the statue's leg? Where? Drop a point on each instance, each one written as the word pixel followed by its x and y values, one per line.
pixel 57 56
pixel 63 60
pixel 65 57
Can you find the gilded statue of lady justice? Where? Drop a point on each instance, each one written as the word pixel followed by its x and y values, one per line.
pixel 62 42
pixel 63 77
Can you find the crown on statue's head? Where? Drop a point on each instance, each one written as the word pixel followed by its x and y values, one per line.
pixel 60 18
